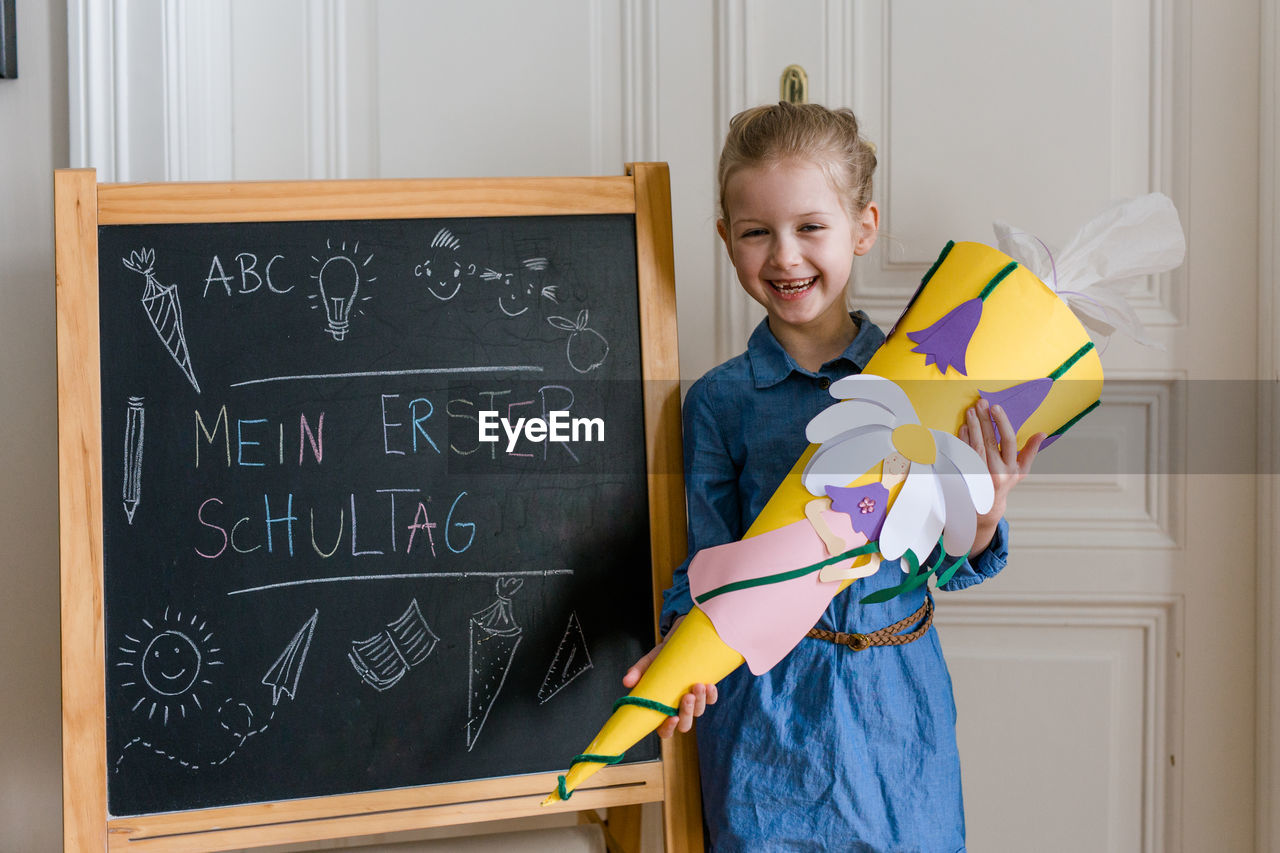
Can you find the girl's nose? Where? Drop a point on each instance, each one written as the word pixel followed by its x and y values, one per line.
pixel 785 253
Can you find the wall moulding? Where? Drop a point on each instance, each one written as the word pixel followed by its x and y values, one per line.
pixel 1159 623
pixel 1146 147
pixel 1141 428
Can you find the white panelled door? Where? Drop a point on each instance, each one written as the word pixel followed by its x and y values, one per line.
pixel 1105 681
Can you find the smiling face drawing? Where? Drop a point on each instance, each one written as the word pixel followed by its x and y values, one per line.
pixel 515 297
pixel 171 663
pixel 442 272
pixel 168 663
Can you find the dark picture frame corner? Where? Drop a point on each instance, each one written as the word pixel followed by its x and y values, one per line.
pixel 8 40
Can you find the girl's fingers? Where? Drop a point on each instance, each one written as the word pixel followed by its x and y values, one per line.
pixel 1008 437
pixel 973 433
pixel 692 705
pixel 632 676
pixel 1028 454
pixel 988 430
pixel 686 712
pixel 700 694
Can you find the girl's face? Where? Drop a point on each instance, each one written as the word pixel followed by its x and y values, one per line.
pixel 792 242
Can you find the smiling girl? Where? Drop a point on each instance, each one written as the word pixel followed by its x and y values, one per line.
pixel 831 749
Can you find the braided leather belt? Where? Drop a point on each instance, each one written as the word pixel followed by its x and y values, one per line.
pixel 887 636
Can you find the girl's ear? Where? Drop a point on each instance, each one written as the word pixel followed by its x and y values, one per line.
pixel 722 228
pixel 866 229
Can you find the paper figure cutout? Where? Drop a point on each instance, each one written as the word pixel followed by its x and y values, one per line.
pixel 864 505
pixel 1018 337
pixel 570 661
pixel 763 594
pixel 283 675
pixel 494 637
pixel 946 341
pixel 814 513
pixel 164 310
pixel 1018 401
pixel 383 659
pixel 946 483
pixel 134 428
pixel 586 349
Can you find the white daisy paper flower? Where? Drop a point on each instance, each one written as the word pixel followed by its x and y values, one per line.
pixel 947 485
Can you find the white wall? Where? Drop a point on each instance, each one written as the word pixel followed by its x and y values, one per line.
pixel 33 142
pixel 1173 109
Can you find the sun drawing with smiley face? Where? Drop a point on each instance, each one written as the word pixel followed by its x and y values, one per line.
pixel 167 663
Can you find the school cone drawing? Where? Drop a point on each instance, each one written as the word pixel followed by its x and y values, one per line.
pixel 884 476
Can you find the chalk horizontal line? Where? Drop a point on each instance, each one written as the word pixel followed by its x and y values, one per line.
pixel 424 575
pixel 419 371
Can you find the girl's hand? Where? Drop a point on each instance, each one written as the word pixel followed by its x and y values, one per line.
pixel 1006 464
pixel 692 704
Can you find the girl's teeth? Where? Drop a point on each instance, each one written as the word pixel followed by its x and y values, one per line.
pixel 793 286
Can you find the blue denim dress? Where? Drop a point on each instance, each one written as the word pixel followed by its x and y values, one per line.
pixel 832 749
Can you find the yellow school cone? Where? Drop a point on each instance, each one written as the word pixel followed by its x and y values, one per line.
pixel 978 323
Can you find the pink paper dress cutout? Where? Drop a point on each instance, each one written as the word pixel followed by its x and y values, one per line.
pixel 765 621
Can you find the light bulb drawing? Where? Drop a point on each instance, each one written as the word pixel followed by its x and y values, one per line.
pixel 338 282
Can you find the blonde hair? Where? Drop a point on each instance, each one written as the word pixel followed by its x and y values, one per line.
pixel 776 132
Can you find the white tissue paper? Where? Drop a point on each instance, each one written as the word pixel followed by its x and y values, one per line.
pixel 1128 240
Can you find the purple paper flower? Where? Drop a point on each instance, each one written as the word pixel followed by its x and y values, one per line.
pixel 946 341
pixel 852 503
pixel 1018 401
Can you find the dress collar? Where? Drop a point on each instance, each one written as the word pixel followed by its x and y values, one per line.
pixel 770 363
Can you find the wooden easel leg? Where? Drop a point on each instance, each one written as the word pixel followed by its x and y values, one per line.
pixel 621 830
pixel 625 824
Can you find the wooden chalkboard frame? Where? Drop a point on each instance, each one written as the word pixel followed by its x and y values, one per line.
pixel 81 205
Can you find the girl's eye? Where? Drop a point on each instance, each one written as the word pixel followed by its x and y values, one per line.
pixel 811 227
pixel 752 232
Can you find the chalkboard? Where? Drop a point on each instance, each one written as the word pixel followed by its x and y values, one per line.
pixel 318 578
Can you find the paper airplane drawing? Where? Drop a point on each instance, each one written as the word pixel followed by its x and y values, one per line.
pixel 283 675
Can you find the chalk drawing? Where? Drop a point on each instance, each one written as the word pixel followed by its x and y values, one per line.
pixel 586 348
pixel 419 371
pixel 570 661
pixel 338 283
pixel 443 272
pixel 134 424
pixel 383 659
pixel 283 675
pixel 532 275
pixel 164 310
pixel 167 663
pixel 494 638
pixel 171 666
